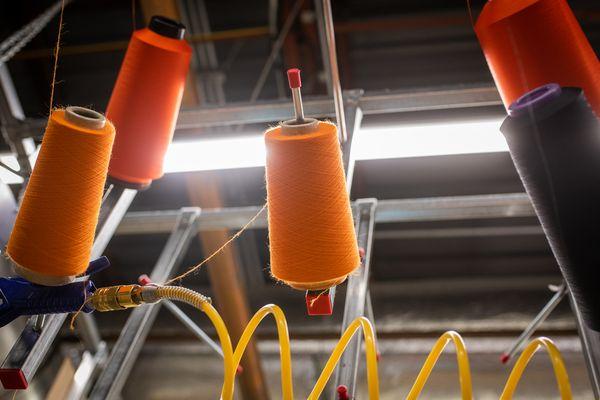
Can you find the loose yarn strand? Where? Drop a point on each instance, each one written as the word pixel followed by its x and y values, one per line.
pixel 219 250
pixel 470 13
pixel 76 313
pixel 56 51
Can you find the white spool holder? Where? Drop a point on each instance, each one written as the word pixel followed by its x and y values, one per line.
pixel 85 118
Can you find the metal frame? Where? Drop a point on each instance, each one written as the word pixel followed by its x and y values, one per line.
pixel 358 298
pixel 132 337
pixel 322 107
pixel 510 205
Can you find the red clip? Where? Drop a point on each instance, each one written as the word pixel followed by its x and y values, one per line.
pixel 13 379
pixel 319 303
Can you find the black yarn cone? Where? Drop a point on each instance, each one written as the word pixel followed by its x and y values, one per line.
pixel 555 146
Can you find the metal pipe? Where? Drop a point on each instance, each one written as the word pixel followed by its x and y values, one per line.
pixel 335 73
pixel 196 330
pixel 535 323
pixel 298 108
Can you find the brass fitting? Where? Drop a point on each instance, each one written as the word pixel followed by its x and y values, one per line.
pixel 115 298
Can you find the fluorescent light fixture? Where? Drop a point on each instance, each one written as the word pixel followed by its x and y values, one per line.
pixel 434 139
pixel 398 141
pixel 215 154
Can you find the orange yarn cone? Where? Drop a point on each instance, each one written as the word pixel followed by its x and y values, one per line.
pixel 529 43
pixel 311 231
pixel 145 101
pixel 54 231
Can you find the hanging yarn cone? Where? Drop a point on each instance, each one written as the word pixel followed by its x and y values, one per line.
pixel 554 141
pixel 529 43
pixel 145 101
pixel 311 232
pixel 54 231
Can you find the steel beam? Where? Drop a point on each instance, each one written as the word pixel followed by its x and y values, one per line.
pixel 322 107
pixel 356 294
pixel 132 337
pixel 388 211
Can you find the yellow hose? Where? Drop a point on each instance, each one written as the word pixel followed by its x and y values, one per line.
pixel 464 371
pixel 287 390
pixel 232 359
pixel 560 371
pixel 371 351
pixel 200 302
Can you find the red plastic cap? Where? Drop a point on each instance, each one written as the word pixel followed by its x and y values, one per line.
pixel 504 358
pixel 13 379
pixel 144 280
pixel 318 303
pixel 342 392
pixel 294 78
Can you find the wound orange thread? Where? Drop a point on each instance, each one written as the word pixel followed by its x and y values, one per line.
pixel 54 231
pixel 145 103
pixel 530 43
pixel 311 231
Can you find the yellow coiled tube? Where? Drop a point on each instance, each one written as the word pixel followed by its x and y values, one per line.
pixel 285 355
pixel 464 371
pixel 560 372
pixel 232 359
pixel 201 302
